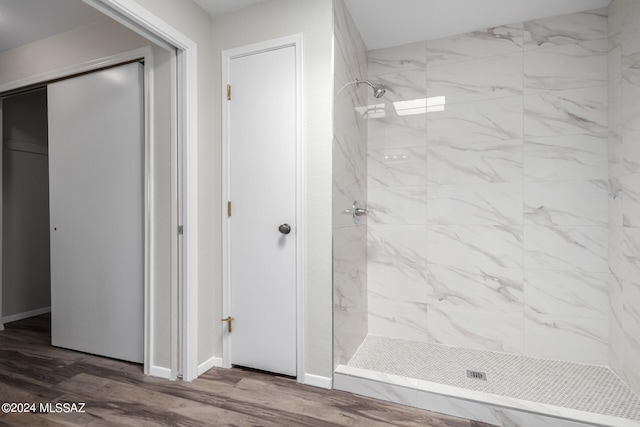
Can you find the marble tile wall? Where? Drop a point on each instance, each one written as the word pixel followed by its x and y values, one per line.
pixel 349 184
pixel 488 220
pixel 624 201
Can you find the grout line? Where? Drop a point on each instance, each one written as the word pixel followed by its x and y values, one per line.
pixel 576 386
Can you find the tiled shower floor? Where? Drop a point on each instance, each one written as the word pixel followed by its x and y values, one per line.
pixel 586 388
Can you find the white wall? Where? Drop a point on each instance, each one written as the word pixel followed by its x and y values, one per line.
pixel 267 21
pixel 270 20
pixel 187 17
pixel 624 182
pixel 26 274
pixel 98 41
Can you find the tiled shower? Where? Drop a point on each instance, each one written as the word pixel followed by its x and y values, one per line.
pixel 501 171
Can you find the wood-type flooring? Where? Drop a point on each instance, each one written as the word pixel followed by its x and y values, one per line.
pixel 118 393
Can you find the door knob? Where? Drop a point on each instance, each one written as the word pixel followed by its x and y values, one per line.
pixel 285 229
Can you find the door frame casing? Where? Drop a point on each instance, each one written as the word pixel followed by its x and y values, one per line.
pixel 1 204
pixel 184 351
pixel 145 54
pixel 184 203
pixel 227 56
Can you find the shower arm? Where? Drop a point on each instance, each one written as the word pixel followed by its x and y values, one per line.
pixel 357 82
pixel 378 90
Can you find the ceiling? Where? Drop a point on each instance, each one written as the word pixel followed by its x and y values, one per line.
pixel 25 21
pixel 385 23
pixel 382 23
pixel 218 7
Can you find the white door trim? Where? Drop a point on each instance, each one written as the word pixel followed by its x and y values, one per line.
pixel 145 54
pixel 227 55
pixel 185 116
pixel 1 210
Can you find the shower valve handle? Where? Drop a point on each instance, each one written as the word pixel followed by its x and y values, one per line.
pixel 357 211
pixel 360 212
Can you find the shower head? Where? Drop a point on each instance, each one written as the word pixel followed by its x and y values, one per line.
pixel 378 90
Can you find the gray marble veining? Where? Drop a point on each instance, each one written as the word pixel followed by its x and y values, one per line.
pixel 567 157
pixel 624 177
pixel 349 183
pixel 567 293
pixel 630 200
pixel 630 33
pixel 393 131
pixel 477 79
pixel 571 248
pixel 397 205
pixel 565 29
pixel 406 320
pixel 580 340
pixel 401 86
pixel 407 57
pixel 566 112
pixel 616 331
pixel 566 66
pixel 502 289
pixel 631 322
pixel 480 121
pixel 477 204
pixel 566 203
pixel 397 167
pixel 495 201
pixel 477 245
pixel 477 44
pixel 476 328
pixel 475 163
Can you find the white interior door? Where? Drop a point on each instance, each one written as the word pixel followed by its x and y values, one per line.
pixel 96 167
pixel 262 189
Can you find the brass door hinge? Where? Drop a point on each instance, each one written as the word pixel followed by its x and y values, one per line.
pixel 228 92
pixel 229 209
pixel 229 321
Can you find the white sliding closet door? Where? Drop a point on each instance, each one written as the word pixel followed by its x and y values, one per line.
pixel 96 167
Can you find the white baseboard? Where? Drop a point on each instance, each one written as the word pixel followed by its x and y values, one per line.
pixel 318 381
pixel 160 372
pixel 25 315
pixel 214 362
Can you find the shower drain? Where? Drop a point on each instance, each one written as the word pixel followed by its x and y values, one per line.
pixel 476 375
pixel 586 388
